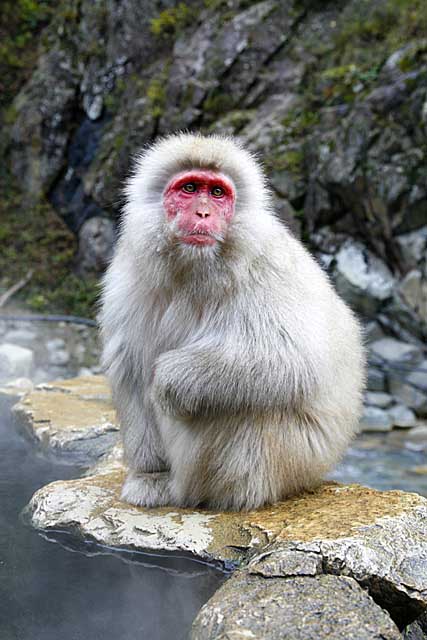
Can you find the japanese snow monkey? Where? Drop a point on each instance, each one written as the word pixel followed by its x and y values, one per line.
pixel 236 369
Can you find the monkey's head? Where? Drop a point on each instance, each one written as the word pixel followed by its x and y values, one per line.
pixel 193 196
pixel 200 205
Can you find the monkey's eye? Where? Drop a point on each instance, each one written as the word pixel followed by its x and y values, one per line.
pixel 217 192
pixel 189 187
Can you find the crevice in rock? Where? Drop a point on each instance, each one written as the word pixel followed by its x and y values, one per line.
pixel 67 193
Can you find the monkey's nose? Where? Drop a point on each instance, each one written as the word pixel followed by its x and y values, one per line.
pixel 204 213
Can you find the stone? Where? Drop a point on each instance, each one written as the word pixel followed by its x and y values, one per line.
pixel 378 399
pixel 377 537
pixel 413 246
pixel 73 417
pixel 375 419
pixel 96 241
pixel 15 362
pixel 402 416
pixel 23 385
pixel 416 438
pixel 417 630
pixel 376 379
pixel 372 331
pixel 361 278
pixel 413 290
pixel 93 106
pixel 392 350
pixel 59 357
pixel 364 557
pixel 22 337
pixel 295 608
pixel 410 387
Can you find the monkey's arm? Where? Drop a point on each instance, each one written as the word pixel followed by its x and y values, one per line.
pixel 208 379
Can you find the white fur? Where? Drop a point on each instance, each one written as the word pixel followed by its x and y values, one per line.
pixel 235 367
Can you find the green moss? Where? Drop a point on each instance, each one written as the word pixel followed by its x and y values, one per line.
pixel 217 103
pixel 371 31
pixel 299 121
pixel 20 23
pixel 37 239
pixel 156 93
pixel 10 114
pixel 348 60
pixel 171 21
pixel 290 160
pixel 345 82
pixel 119 142
pixel 113 100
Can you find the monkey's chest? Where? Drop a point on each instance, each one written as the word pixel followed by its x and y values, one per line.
pixel 179 324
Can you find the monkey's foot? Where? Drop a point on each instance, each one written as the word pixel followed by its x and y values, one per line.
pixel 147 489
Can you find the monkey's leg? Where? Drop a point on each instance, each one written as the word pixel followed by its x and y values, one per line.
pixel 147 489
pixel 147 481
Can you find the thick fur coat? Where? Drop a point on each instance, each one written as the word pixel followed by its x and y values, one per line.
pixel 236 369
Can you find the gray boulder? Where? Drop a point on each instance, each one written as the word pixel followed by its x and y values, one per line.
pixel 396 351
pixel 410 387
pixel 375 419
pixel 378 399
pixel 15 362
pixel 413 246
pixel 293 608
pixel 402 416
pixel 96 241
pixel 362 278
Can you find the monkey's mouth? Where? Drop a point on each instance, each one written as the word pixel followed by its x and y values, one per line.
pixel 198 236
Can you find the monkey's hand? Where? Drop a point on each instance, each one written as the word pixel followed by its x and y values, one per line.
pixel 206 379
pixel 178 382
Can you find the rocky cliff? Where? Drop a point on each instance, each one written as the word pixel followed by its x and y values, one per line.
pixel 331 95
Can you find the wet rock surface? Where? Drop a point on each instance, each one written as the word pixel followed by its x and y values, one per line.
pixel 70 417
pixel 295 608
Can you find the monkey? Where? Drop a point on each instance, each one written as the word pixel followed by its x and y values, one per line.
pixel 236 370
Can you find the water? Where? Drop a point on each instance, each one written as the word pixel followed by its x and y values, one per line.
pixel 385 462
pixel 48 592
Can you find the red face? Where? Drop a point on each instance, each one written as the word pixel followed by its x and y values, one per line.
pixel 202 203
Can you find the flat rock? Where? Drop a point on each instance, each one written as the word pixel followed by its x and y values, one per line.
pixel 392 350
pixel 70 416
pixel 379 538
pixel 378 399
pixel 375 419
pixel 295 608
pixel 402 416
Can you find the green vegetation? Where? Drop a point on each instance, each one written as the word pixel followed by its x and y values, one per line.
pixel 156 92
pixel 217 103
pixel 290 160
pixel 170 21
pixel 392 22
pixel 362 37
pixel 298 122
pixel 33 237
pixel 156 95
pixel 20 21
pixel 369 32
